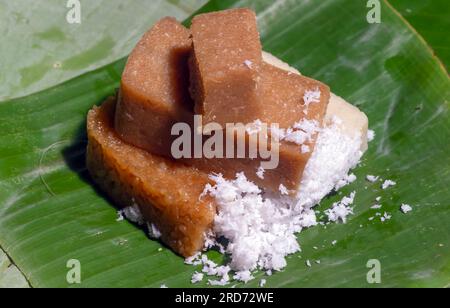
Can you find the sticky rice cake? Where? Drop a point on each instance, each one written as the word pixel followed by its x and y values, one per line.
pixel 154 88
pixel 166 192
pixel 158 186
pixel 145 120
pixel 282 102
pixel 283 97
pixel 225 66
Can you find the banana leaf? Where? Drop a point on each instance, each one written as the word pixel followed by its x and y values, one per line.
pixel 431 19
pixel 50 213
pixel 51 50
pixel 42 49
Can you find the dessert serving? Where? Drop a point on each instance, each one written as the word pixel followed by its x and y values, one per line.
pixel 207 81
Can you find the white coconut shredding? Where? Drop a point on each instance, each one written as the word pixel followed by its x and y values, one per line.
pixel 340 210
pixel 197 277
pixel 260 232
pixel 311 97
pixel 255 127
pixel 305 149
pixel 260 173
pixel 371 135
pixel 385 217
pixel 153 231
pixel 248 63
pixel 262 283
pixel 406 208
pixel 283 190
pixel 260 227
pixel 348 179
pixel 388 183
pixel 372 178
pixel 257 229
pixel 301 133
pixel 120 216
pixel 334 155
pixel 133 214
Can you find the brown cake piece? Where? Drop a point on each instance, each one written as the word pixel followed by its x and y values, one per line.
pixel 154 91
pixel 225 66
pixel 282 102
pixel 168 193
pixel 288 98
pixel 152 101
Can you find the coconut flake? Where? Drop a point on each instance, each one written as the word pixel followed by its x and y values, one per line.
pixel 194 260
pixel 406 208
pixel 260 231
pixel 244 276
pixel 346 180
pixel 255 127
pixel 305 149
pixel 278 133
pixel 370 135
pixel 153 231
pixel 372 178
pixel 335 154
pixel 133 214
pixel 260 173
pixel 340 210
pixel 388 183
pixel 248 63
pixel 283 190
pixel 260 227
pixel 302 132
pixel 120 216
pixel 385 217
pixel 262 283
pixel 311 97
pixel 197 277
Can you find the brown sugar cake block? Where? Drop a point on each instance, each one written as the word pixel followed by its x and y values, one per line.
pixel 288 173
pixel 154 88
pixel 225 66
pixel 167 192
pixel 282 102
pixel 152 101
pixel 283 97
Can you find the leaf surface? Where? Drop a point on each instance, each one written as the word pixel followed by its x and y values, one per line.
pixel 50 212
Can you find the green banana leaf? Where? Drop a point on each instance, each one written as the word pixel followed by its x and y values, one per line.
pixel 51 213
pixel 431 19
pixel 52 51
pixel 43 49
